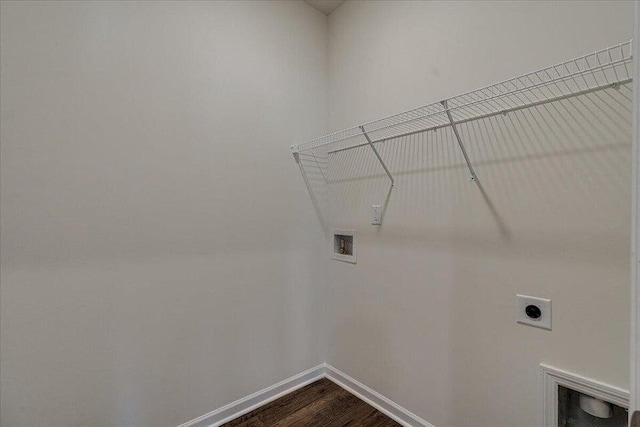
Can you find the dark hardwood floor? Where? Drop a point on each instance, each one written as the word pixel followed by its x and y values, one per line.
pixel 321 403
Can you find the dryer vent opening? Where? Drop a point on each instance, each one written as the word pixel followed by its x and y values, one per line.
pixel 576 409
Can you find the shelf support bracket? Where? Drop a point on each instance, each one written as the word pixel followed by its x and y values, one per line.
pixel 314 201
pixel 384 166
pixel 474 177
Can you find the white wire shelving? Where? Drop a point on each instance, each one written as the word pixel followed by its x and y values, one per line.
pixel 606 68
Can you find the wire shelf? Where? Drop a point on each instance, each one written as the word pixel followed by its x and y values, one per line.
pixel 602 69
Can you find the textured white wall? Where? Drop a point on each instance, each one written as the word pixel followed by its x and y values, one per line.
pixel 159 251
pixel 635 271
pixel 426 317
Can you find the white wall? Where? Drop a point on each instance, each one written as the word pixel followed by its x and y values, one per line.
pixel 158 245
pixel 160 255
pixel 635 257
pixel 426 317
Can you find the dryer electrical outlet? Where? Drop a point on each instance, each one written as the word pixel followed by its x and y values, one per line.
pixel 533 311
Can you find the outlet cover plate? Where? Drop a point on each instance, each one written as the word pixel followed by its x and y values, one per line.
pixel 544 321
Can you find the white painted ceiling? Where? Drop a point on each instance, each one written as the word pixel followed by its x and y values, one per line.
pixel 325 6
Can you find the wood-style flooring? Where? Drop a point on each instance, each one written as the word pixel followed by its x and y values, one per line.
pixel 321 403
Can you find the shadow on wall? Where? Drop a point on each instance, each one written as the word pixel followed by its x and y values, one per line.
pixel 566 153
pixel 550 215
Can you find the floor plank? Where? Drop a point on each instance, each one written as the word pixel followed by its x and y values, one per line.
pixel 322 403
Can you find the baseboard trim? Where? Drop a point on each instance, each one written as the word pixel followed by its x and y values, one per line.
pixel 247 404
pixel 375 399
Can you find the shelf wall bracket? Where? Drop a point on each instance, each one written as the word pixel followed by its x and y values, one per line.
pixel 384 166
pixel 314 201
pixel 474 177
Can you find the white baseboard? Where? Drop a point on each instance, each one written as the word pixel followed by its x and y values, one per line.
pixel 247 404
pixel 375 399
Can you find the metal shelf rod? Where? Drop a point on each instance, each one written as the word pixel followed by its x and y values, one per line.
pixel 583 74
pixel 378 155
pixel 496 113
pixel 474 177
